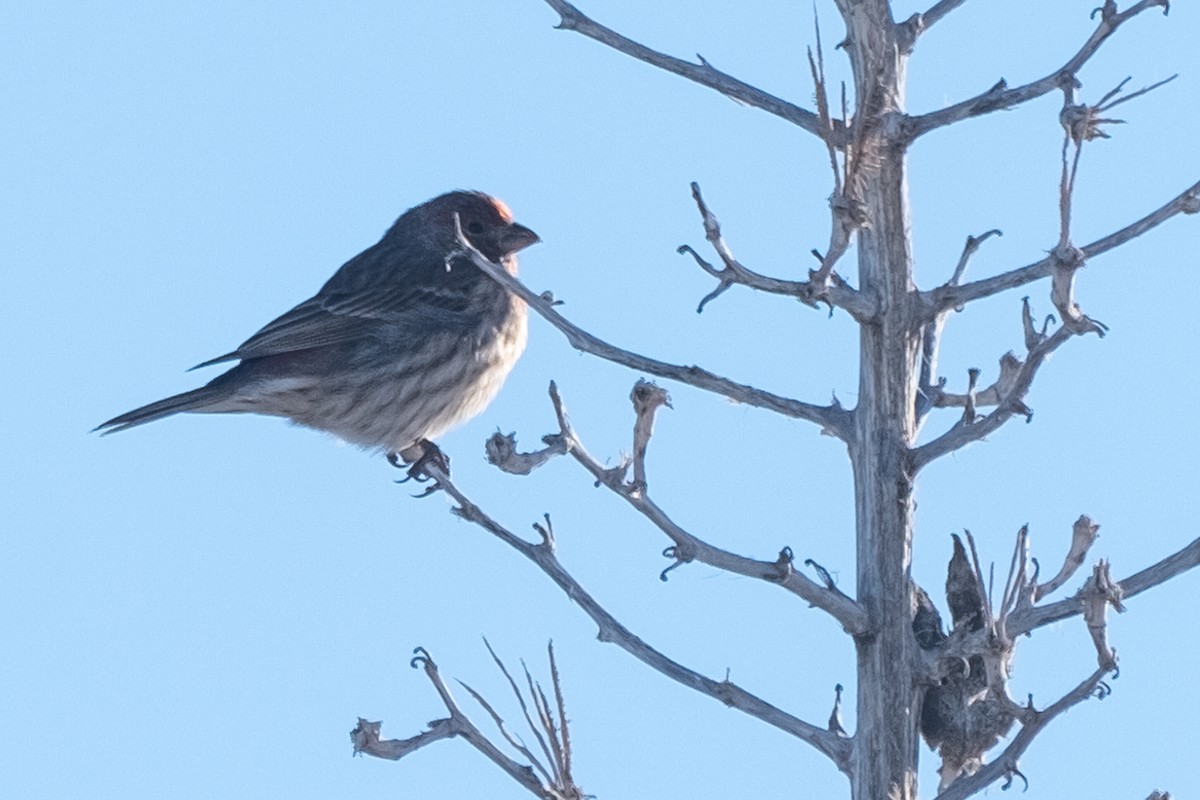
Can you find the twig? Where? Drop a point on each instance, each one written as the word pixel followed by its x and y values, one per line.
pixel 512 684
pixel 565 729
pixel 501 451
pixel 910 30
pixel 703 73
pixel 835 716
pixel 1083 534
pixel 1032 723
pixel 943 297
pixel 994 394
pixel 960 435
pixel 931 337
pixel 1000 96
pixel 732 272
pixel 542 555
pixel 689 547
pixel 1029 619
pixel 366 739
pixel 1097 595
pixel 832 419
pixel 647 398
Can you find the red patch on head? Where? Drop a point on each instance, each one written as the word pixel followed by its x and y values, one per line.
pixel 503 210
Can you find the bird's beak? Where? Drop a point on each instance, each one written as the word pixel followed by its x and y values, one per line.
pixel 517 237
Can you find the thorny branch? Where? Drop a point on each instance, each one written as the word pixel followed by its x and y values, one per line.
pixel 833 289
pixel 686 546
pixel 1000 96
pixel 833 420
pixel 555 783
pixel 703 73
pixel 542 554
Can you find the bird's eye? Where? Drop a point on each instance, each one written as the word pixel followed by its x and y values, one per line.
pixel 475 227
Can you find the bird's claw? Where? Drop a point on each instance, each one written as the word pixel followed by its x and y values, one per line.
pixel 422 454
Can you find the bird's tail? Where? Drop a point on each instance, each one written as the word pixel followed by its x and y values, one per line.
pixel 206 398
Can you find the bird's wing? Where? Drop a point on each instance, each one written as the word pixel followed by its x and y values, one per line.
pixel 355 302
pixel 306 326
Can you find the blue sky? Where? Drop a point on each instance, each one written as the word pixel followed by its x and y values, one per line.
pixel 202 607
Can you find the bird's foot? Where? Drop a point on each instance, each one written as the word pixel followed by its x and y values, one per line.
pixel 415 459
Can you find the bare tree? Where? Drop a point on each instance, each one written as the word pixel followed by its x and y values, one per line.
pixel 916 675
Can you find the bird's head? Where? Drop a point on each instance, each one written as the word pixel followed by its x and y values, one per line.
pixel 486 222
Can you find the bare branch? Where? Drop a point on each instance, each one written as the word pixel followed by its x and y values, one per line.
pixel 833 420
pixel 501 451
pixel 688 547
pixel 1000 96
pixel 939 10
pixel 542 555
pixel 1081 123
pixel 832 289
pixel 1083 534
pixel 910 30
pixel 1097 595
pixel 993 395
pixel 929 389
pixel 565 743
pixel 963 433
pixel 835 716
pixel 366 739
pixel 973 244
pixel 647 399
pixel 943 297
pixel 1029 619
pixel 512 684
pixel 705 74
pixel 1032 723
pixel 848 211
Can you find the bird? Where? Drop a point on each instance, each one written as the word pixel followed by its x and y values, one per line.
pixel 407 340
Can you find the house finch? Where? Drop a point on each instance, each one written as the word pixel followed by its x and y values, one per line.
pixel 408 339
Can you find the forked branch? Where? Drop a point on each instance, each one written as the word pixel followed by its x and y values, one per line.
pixel 1015 382
pixel 829 288
pixel 910 30
pixel 832 419
pixel 1000 96
pixel 555 781
pixel 1025 620
pixel 686 546
pixel 543 556
pixel 950 296
pixel 1032 723
pixel 929 386
pixel 703 73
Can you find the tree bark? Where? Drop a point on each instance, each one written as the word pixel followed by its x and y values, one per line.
pixel 886 738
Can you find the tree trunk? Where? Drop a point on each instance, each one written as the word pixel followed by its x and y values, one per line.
pixel 886 735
